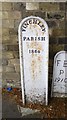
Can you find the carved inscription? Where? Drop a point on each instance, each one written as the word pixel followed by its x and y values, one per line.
pixel 35 45
pixel 59 83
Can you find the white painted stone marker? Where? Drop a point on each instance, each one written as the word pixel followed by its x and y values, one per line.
pixel 59 83
pixel 34 49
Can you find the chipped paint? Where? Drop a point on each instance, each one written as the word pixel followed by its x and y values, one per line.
pixel 35 46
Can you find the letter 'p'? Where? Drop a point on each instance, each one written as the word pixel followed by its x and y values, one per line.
pixel 61 72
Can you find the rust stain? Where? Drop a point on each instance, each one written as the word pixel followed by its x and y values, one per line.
pixel 33 62
pixel 36 45
pixel 35 25
pixel 33 44
pixel 36 66
pixel 39 47
pixel 33 66
pixel 42 33
pixel 39 64
pixel 39 58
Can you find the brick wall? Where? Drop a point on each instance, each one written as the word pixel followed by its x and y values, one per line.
pixel 12 13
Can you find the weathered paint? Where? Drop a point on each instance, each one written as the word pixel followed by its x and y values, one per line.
pixel 34 47
pixel 59 83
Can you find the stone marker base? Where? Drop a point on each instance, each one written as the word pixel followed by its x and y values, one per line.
pixel 59 95
pixel 27 111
